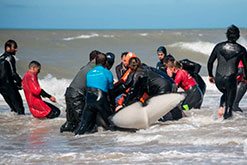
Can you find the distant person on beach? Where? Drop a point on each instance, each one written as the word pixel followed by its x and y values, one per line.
pixel 99 86
pixel 228 54
pixel 122 67
pixel 33 93
pixel 161 52
pixel 75 95
pixel 10 81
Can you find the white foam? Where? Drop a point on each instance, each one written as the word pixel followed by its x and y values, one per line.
pixel 200 46
pixel 88 36
pixel 83 36
pixel 143 34
pixel 243 42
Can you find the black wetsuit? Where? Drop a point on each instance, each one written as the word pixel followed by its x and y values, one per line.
pixel 160 66
pixel 148 81
pixel 10 83
pixel 194 69
pixel 75 99
pixel 120 70
pixel 228 55
pixel 96 105
pixel 241 89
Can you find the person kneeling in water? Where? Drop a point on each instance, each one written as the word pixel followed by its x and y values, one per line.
pixel 184 80
pixel 32 90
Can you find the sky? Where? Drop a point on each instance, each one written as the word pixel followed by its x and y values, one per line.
pixel 122 14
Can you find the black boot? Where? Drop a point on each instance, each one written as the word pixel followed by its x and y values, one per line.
pixel 86 122
pixel 228 113
pixel 67 127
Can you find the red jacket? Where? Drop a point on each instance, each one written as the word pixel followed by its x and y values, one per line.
pixel 32 91
pixel 184 80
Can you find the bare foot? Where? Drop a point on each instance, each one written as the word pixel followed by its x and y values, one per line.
pixel 221 112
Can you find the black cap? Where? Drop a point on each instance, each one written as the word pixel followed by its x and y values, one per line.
pixel 110 57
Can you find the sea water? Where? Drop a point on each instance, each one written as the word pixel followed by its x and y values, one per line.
pixel 200 138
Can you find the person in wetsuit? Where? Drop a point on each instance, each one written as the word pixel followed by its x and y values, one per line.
pixel 184 80
pixel 161 52
pixel 228 54
pixel 99 85
pixel 10 81
pixel 192 68
pixel 241 88
pixel 33 93
pixel 75 95
pixel 145 80
pixel 122 67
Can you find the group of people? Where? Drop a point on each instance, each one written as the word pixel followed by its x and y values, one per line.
pixel 93 96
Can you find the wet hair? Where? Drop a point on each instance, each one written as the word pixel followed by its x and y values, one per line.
pixel 93 54
pixel 138 61
pixel 168 58
pixel 233 33
pixel 34 64
pixel 9 43
pixel 162 49
pixel 124 54
pixel 175 64
pixel 101 59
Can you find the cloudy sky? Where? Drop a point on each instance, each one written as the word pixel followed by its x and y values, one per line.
pixel 122 14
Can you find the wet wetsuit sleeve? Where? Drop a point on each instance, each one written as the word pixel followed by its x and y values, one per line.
pixel 134 88
pixel 44 94
pixel 211 60
pixel 191 66
pixel 14 75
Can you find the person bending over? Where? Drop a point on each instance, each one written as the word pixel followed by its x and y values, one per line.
pixel 75 95
pixel 145 80
pixel 99 85
pixel 184 80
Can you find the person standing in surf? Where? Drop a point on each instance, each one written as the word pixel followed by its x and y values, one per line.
pixel 75 95
pixel 99 86
pixel 228 54
pixel 10 81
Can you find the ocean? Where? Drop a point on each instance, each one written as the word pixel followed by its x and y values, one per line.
pixel 199 138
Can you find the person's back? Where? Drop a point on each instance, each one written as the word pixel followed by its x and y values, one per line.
pixel 79 82
pixel 228 55
pixel 100 78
